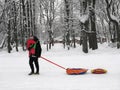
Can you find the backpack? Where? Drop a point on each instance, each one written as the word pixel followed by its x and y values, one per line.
pixel 38 49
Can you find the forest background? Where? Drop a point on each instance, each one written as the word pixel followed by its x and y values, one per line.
pixel 70 22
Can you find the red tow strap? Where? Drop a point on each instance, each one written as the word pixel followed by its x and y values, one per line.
pixel 53 63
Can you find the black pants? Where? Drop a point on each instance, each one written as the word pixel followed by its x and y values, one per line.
pixel 32 61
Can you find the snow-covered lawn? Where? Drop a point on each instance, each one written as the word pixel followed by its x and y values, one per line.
pixel 14 70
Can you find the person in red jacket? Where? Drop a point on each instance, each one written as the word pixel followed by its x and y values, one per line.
pixel 34 48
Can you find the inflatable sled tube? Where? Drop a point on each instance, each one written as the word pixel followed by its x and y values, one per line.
pixel 76 71
pixel 98 71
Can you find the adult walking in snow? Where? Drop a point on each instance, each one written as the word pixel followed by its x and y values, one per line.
pixel 34 48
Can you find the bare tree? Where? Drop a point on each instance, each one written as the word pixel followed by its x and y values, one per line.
pixel 15 25
pixel 84 25
pixel 88 25
pixel 113 15
pixel 8 22
pixel 92 26
pixel 69 23
pixel 47 15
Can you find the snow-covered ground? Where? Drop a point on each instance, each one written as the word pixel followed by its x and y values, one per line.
pixel 14 70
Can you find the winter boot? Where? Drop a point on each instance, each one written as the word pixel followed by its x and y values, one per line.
pixel 31 73
pixel 37 73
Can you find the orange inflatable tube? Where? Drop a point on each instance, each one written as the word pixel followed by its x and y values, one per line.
pixel 76 71
pixel 98 71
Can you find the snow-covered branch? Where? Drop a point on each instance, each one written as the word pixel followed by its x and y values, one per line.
pixel 84 18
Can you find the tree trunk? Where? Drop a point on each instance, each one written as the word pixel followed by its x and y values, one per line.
pixel 8 15
pixel 92 37
pixel 84 42
pixel 71 25
pixel 15 26
pixel 117 29
pixel 84 27
pixel 34 23
pixel 9 37
pixel 28 18
pixel 23 25
pixel 67 11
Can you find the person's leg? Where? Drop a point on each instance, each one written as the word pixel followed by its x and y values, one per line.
pixel 36 65
pixel 31 65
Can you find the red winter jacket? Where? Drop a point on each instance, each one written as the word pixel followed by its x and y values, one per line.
pixel 31 50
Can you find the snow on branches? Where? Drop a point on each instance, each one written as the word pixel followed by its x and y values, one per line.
pixel 84 18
